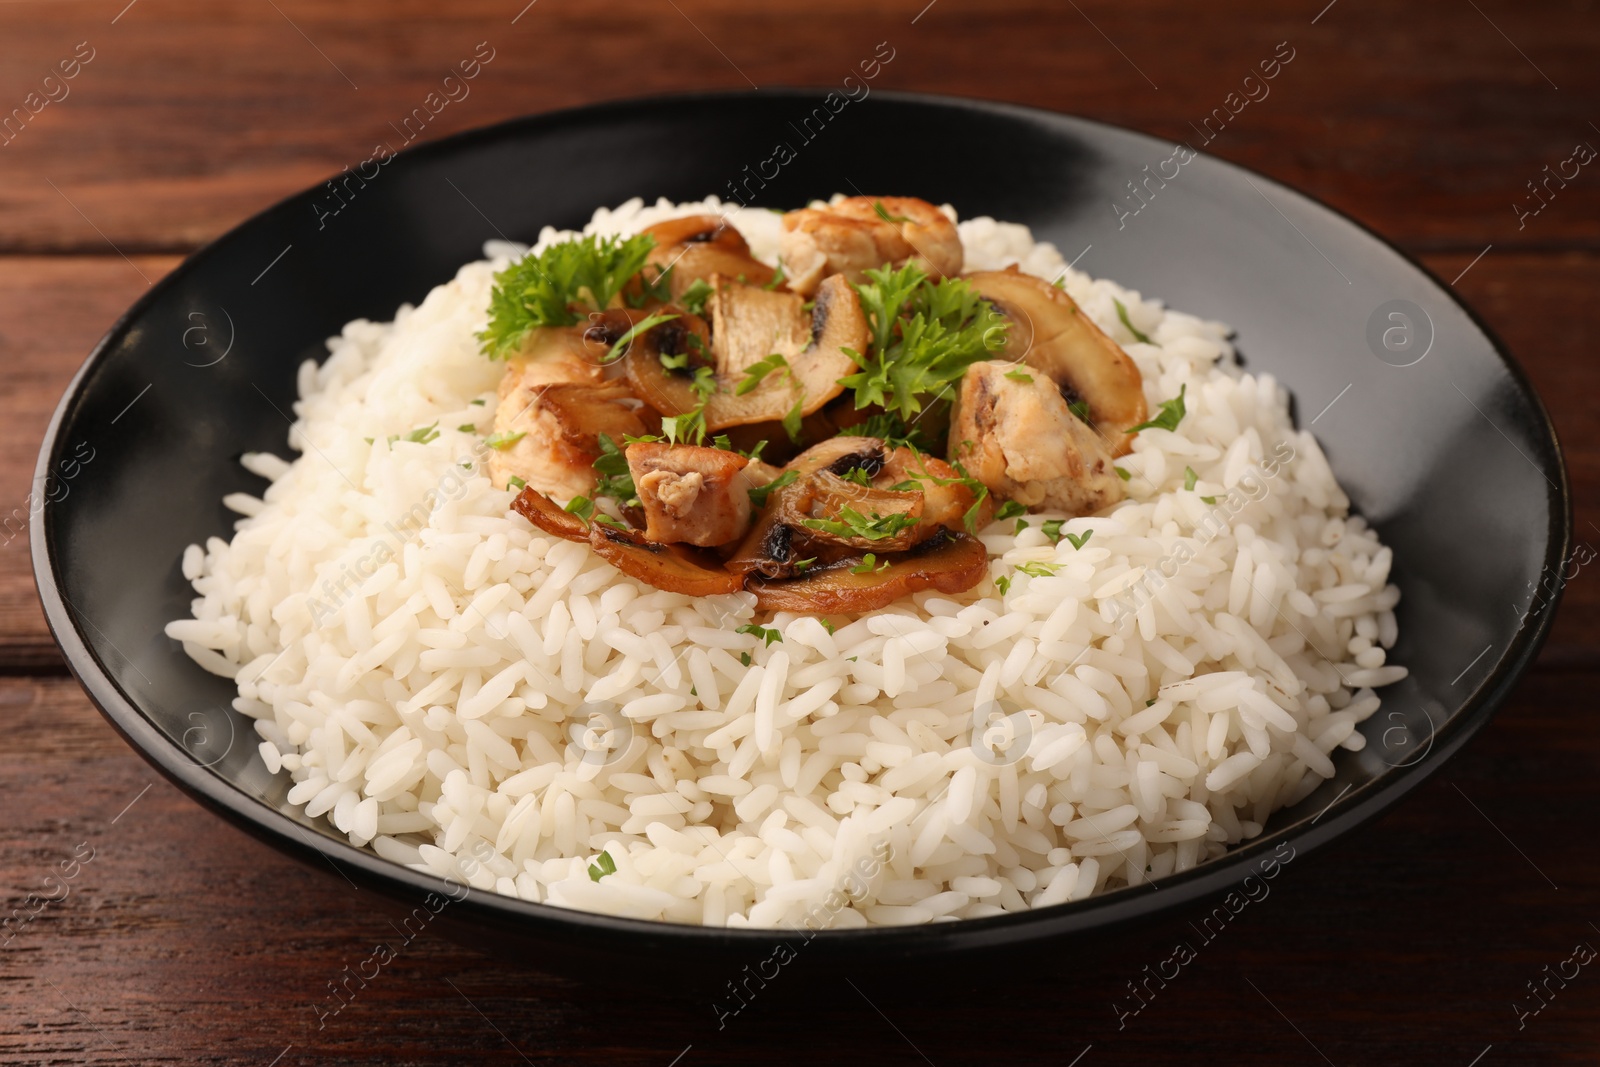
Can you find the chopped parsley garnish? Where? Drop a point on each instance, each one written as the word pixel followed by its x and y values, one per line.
pixel 1010 510
pixel 801 565
pixel 421 435
pixel 502 441
pixel 758 495
pixel 693 299
pixel 1208 500
pixel 601 867
pixel 1172 413
pixel 1078 541
pixel 1189 478
pixel 690 426
pixel 869 564
pixel 1020 375
pixel 979 491
pixel 744 658
pixel 851 523
pixel 519 484
pixel 1122 314
pixel 755 372
pixel 1022 524
pixel 860 476
pixel 1037 569
pixel 480 402
pixel 580 506
pixel 1052 530
pixel 613 478
pixel 1003 583
pixel 643 326
pixel 892 429
pixel 791 419
pixel 883 213
pixel 557 287
pixel 778 278
pixel 828 626
pixel 658 289
pixel 1080 408
pixel 1124 475
pixel 766 634
pixel 925 335
pixel 467 427
pixel 606 520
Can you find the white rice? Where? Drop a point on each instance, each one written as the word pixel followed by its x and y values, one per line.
pixel 415 655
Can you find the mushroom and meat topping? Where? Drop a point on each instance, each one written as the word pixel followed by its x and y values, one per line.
pixel 860 233
pixel 715 426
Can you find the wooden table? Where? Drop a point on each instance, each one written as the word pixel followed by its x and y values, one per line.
pixel 1418 940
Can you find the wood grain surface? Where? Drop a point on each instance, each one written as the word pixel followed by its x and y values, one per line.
pixel 1421 939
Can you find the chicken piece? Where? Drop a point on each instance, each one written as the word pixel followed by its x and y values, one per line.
pixel 946 497
pixel 1020 439
pixel 690 495
pixel 695 247
pixel 1051 334
pixel 559 423
pixel 864 232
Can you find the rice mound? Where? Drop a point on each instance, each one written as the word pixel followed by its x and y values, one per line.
pixel 468 696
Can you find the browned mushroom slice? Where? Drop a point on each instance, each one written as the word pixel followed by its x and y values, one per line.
pixel 686 343
pixel 675 568
pixel 697 246
pixel 1049 332
pixel 863 232
pixel 1018 437
pixel 949 562
pixel 547 433
pixel 690 495
pixel 550 517
pixel 859 516
pixel 750 324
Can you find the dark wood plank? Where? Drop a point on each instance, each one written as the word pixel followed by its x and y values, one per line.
pixel 52 309
pixel 1426 121
pixel 1409 942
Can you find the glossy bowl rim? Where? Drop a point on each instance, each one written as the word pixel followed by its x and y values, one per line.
pixel 265 822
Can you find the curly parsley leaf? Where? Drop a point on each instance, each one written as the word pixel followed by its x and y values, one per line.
pixel 1079 540
pixel 925 335
pixel 1172 413
pixel 613 479
pixel 558 286
pixel 1122 314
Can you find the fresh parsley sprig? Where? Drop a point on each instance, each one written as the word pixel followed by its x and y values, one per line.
pixel 925 334
pixel 558 286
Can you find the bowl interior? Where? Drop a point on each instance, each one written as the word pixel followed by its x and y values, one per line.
pixel 1437 438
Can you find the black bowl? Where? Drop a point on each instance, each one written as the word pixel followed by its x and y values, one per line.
pixel 1433 430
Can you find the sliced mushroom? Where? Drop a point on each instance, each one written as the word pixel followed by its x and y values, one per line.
pixel 549 516
pixel 863 232
pixel 1051 334
pixel 949 562
pixel 686 342
pixel 675 568
pixel 1019 438
pixel 547 433
pixel 773 546
pixel 690 495
pixel 696 247
pixel 749 324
